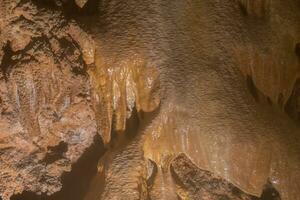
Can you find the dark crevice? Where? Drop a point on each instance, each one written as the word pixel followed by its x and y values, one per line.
pixel 132 124
pixel 47 4
pixel 11 58
pixel 22 20
pixel 243 8
pixel 269 101
pixel 55 153
pixel 252 88
pixel 120 142
pixel 280 100
pixel 69 45
pixel 270 193
pixel 292 107
pixel 297 50
pixel 254 9
pixel 75 183
pixel 71 10
pixel 90 8
pixel 122 138
pixel 151 172
pixel 7 61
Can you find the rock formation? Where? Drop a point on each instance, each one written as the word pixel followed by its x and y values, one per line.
pixel 161 99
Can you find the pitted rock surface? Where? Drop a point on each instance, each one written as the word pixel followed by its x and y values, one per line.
pixel 47 121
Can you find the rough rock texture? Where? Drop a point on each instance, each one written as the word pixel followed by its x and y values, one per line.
pixel 194 183
pixel 47 121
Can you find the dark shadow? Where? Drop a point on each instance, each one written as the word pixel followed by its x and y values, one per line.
pixel 6 61
pixel 292 107
pixel 270 193
pixel 252 88
pixel 243 8
pixel 280 100
pixel 76 183
pixel 55 153
pixel 269 101
pixel 297 50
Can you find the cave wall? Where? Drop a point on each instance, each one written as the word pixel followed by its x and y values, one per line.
pixel 157 86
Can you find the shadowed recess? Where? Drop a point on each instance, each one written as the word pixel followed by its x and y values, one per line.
pixel 75 183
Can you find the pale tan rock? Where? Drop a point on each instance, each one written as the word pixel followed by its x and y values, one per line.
pixel 81 3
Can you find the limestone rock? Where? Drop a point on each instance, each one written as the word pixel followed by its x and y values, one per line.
pixel 47 121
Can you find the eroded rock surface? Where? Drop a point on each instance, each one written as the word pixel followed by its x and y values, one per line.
pixel 47 121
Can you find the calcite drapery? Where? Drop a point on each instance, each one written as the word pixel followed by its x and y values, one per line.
pixel 121 87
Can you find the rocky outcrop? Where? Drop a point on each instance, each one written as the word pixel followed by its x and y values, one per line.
pixel 47 121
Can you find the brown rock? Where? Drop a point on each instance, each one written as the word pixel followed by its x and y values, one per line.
pixel 47 121
pixel 201 184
